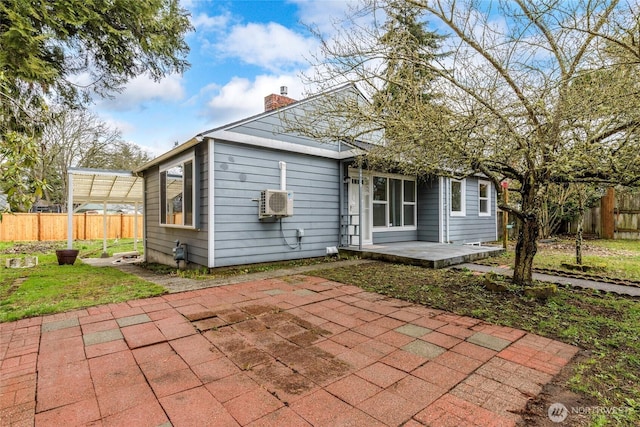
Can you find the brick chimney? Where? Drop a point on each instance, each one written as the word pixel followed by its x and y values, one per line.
pixel 273 101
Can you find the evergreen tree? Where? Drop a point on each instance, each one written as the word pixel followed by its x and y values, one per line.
pixel 47 48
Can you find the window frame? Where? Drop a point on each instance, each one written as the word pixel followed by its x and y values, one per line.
pixel 487 198
pixel 387 203
pixel 414 203
pixel 463 197
pixel 375 202
pixel 181 161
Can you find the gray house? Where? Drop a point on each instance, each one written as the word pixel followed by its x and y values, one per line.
pixel 249 192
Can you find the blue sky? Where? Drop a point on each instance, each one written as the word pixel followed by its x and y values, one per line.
pixel 241 51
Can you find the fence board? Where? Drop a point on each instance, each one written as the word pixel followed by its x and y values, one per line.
pixel 623 219
pixel 53 226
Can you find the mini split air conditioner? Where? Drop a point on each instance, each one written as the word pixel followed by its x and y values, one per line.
pixel 275 203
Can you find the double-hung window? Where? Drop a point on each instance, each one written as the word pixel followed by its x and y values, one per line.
pixel 394 202
pixel 177 193
pixel 457 197
pixel 484 198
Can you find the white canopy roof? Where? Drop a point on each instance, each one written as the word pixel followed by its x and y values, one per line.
pixel 106 186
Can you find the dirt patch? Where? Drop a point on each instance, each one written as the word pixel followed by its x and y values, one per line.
pixel 32 248
pixel 248 358
pixel 275 347
pixel 257 310
pixel 304 339
pixel 233 316
pixel 293 280
pixel 272 320
pixel 250 326
pixel 316 364
pixel 587 249
pixel 12 288
pixel 282 381
pixel 281 349
pixel 537 411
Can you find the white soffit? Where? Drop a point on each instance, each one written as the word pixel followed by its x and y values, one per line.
pixel 106 186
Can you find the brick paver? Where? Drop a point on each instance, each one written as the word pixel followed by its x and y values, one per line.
pixel 288 351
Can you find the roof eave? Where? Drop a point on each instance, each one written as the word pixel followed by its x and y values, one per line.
pixel 171 153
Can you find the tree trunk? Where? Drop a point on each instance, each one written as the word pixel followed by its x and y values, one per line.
pixel 530 228
pixel 579 242
pixel 581 202
pixel 526 249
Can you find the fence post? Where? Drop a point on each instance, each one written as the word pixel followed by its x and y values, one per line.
pixel 607 221
pixel 39 227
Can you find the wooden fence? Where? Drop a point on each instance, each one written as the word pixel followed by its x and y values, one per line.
pixel 617 216
pixel 53 226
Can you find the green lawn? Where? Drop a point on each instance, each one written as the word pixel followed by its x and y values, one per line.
pixel 87 248
pixel 620 258
pixel 50 288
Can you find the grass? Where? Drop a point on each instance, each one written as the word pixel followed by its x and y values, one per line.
pixel 50 288
pixel 233 271
pixel 87 248
pixel 621 258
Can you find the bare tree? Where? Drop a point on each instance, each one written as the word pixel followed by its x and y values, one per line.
pixel 78 138
pixel 536 93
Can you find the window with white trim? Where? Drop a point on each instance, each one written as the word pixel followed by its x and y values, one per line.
pixel 457 197
pixel 484 198
pixel 177 193
pixel 394 202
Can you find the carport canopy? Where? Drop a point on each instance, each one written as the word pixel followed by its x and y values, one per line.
pixel 106 187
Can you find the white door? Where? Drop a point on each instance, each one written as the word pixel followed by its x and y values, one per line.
pixel 359 225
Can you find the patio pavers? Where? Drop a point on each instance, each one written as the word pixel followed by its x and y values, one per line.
pixel 297 351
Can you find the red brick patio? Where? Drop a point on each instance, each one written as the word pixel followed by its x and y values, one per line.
pixel 293 351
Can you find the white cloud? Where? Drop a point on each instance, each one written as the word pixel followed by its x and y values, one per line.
pixel 241 98
pixel 271 46
pixel 204 22
pixel 123 126
pixel 322 14
pixel 143 89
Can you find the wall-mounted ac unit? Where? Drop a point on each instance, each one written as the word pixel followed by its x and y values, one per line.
pixel 275 203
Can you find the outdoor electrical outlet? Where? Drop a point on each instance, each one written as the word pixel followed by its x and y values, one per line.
pixel 300 232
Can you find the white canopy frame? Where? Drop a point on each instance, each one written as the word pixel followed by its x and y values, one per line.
pixel 106 186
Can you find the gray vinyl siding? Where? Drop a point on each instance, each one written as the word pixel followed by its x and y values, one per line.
pixel 270 126
pixel 162 238
pixel 241 172
pixel 472 227
pixel 428 208
pixel 394 236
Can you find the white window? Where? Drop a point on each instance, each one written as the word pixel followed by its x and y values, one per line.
pixel 177 193
pixel 409 203
pixel 484 198
pixel 394 201
pixel 457 197
pixel 380 213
